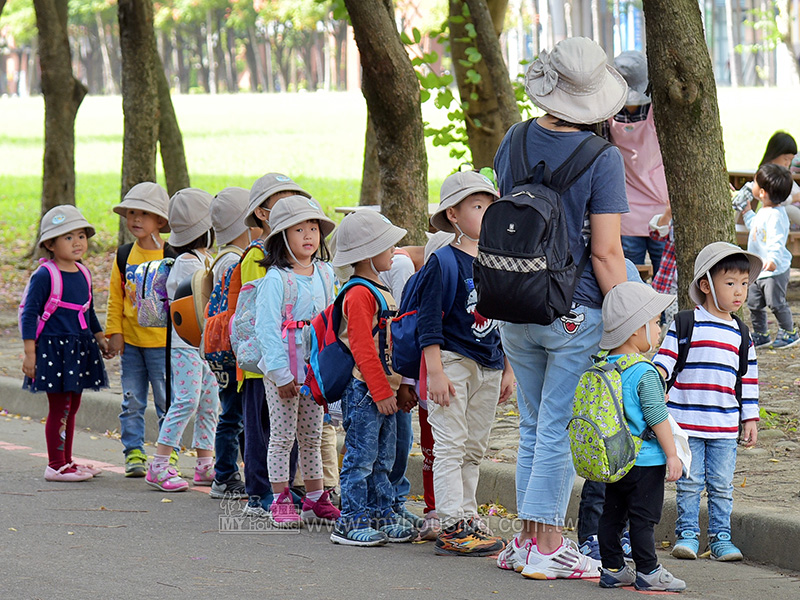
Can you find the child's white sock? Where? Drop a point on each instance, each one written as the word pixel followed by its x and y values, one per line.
pixel 160 460
pixel 314 496
pixel 205 461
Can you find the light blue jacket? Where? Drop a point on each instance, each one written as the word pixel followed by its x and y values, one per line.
pixel 769 230
pixel 314 293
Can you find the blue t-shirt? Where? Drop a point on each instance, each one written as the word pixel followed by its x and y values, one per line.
pixel 462 330
pixel 601 190
pixel 64 321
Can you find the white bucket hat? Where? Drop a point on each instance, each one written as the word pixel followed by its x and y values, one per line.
pixel 228 209
pixel 189 215
pixel 710 256
pixel 266 186
pixel 364 234
pixel 456 188
pixel 573 82
pixel 437 240
pixel 292 210
pixel 632 65
pixel 626 308
pixel 60 220
pixel 149 197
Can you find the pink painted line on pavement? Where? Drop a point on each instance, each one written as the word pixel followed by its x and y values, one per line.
pixel 9 446
pixel 199 488
pixel 87 461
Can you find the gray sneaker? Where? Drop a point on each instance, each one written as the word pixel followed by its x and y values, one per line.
pixel 232 489
pixel 659 580
pixel 786 339
pixel 614 579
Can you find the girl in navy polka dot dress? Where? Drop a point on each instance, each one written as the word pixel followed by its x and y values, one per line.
pixel 64 343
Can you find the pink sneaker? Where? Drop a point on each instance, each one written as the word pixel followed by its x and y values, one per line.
pixel 321 511
pixel 165 479
pixel 66 473
pixel 204 475
pixel 284 514
pixel 91 469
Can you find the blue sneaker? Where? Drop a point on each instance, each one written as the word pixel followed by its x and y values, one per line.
pixel 358 536
pixel 786 339
pixel 626 545
pixel 405 514
pixel 591 547
pixel 614 579
pixel 722 548
pixel 395 527
pixel 687 545
pixel 760 339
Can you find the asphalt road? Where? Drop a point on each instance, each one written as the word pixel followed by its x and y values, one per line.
pixel 114 537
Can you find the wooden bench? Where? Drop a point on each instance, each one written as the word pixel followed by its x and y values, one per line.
pixel 792 243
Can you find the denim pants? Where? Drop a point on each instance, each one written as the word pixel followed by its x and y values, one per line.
pixel 713 464
pixel 370 440
pixel 770 292
pixel 636 247
pixel 548 360
pixel 229 427
pixel 141 368
pixel 397 476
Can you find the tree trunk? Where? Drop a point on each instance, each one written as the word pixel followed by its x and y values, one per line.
pixel 392 91
pixel 108 77
pixel 183 73
pixel 491 107
pixel 597 30
pixel 212 66
pixel 139 96
pixel 63 95
pixel 252 65
pixel 170 139
pixel 230 60
pixel 689 131
pixel 2 5
pixel 371 175
pixel 785 29
pixel 251 31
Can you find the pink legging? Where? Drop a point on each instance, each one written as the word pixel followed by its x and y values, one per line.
pixel 60 427
pixel 301 418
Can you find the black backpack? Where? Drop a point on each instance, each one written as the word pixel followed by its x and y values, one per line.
pixel 684 325
pixel 524 271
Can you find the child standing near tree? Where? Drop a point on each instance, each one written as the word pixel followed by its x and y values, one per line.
pixel 63 338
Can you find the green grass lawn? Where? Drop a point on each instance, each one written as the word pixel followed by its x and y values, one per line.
pixel 317 138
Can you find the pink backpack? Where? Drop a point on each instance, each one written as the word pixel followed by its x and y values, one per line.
pixel 56 291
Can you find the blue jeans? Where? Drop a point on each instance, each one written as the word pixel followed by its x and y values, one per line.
pixel 141 368
pixel 229 427
pixel 635 247
pixel 370 440
pixel 713 464
pixel 397 476
pixel 548 360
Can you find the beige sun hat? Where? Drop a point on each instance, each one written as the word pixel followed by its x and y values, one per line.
pixel 710 256
pixel 454 189
pixel 437 240
pixel 292 210
pixel 60 220
pixel 632 65
pixel 189 215
pixel 228 209
pixel 266 186
pixel 573 82
pixel 364 234
pixel 149 197
pixel 626 308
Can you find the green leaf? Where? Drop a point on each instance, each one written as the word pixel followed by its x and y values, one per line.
pixel 446 79
pixel 473 76
pixel 424 95
pixel 431 57
pixel 477 122
pixel 474 57
pixel 457 19
pixel 405 39
pixel 464 63
pixel 417 61
pixel 471 30
pixel 474 96
pixel 465 9
pixel 417 35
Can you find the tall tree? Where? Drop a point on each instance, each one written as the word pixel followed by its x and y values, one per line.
pixel 170 138
pixel 392 91
pixel 734 57
pixel 63 95
pixel 689 131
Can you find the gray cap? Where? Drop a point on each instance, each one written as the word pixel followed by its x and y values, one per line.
pixel 266 186
pixel 364 234
pixel 228 209
pixel 632 65
pixel 189 215
pixel 149 197
pixel 60 220
pixel 710 256
pixel 454 189
pixel 626 308
pixel 292 210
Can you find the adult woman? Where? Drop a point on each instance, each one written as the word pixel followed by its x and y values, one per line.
pixel 578 90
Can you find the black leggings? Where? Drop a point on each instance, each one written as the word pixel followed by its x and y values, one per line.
pixel 636 498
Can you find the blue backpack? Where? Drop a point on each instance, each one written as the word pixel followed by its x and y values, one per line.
pixel 330 363
pixel 406 351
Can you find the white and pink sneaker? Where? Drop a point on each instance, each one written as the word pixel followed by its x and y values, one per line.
pixel 567 562
pixel 283 512
pixel 513 557
pixel 165 478
pixel 204 475
pixel 66 473
pixel 91 469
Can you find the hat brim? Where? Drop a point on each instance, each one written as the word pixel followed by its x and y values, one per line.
pixel 66 227
pixel 326 225
pixel 651 309
pixel 637 98
pixel 439 218
pixel 256 201
pixel 136 204
pixel 585 109
pixel 178 239
pixel 383 242
pixel 756 264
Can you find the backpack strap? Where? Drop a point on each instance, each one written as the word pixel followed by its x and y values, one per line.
pixel 384 315
pixel 123 253
pixel 289 324
pixel 54 301
pixel 449 265
pixel 518 152
pixel 577 163
pixel 744 363
pixel 684 325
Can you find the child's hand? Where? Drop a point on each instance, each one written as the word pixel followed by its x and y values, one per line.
pixel 103 343
pixel 288 391
pixel 769 265
pixel 750 433
pixel 387 406
pixel 506 384
pixel 29 365
pixel 440 388
pixel 674 468
pixel 406 398
pixel 116 344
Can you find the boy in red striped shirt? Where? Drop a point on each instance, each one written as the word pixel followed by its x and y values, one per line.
pixel 703 399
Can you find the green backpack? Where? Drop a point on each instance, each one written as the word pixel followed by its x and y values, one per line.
pixel 603 448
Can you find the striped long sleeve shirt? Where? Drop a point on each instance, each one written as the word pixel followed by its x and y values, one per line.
pixel 703 400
